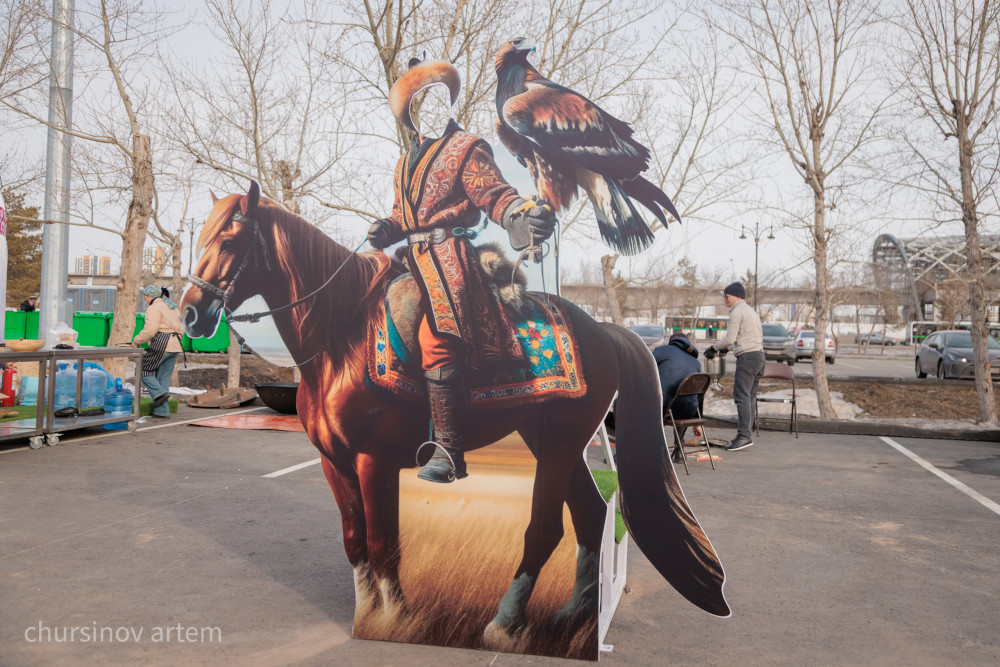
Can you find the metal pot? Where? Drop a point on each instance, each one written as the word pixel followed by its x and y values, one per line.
pixel 716 368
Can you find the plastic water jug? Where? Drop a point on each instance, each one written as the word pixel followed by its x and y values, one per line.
pixel 27 393
pixel 94 386
pixel 65 387
pixel 118 403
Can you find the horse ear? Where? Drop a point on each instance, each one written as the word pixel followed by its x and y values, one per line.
pixel 253 196
pixel 215 199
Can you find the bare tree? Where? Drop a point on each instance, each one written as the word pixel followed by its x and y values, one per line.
pixel 951 73
pixel 115 39
pixel 273 107
pixel 809 63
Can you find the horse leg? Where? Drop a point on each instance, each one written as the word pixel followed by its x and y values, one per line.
pixel 587 510
pixel 346 488
pixel 542 536
pixel 380 491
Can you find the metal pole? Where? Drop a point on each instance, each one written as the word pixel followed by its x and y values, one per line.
pixel 756 253
pixel 55 237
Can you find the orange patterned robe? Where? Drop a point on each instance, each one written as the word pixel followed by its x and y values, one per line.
pixel 445 184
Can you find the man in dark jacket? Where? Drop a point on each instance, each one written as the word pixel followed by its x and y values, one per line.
pixel 28 305
pixel 675 361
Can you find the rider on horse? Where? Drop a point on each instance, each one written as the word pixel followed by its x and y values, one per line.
pixel 442 184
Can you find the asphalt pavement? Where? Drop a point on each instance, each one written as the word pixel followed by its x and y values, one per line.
pixel 838 550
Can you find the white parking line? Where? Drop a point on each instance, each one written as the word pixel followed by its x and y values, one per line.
pixel 285 471
pixel 972 493
pixel 858 368
pixel 18 449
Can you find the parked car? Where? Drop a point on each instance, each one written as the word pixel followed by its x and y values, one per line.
pixel 651 334
pixel 775 337
pixel 876 339
pixel 948 354
pixel 801 347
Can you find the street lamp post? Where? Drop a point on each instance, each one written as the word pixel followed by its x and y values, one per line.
pixel 756 254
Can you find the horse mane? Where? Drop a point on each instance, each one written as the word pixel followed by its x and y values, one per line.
pixel 362 279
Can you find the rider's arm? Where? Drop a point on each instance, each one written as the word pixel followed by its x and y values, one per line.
pixel 483 183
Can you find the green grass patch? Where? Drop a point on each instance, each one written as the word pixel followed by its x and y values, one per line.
pixel 607 484
pixel 145 409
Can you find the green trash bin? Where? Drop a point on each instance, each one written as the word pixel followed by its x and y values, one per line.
pixel 31 325
pixel 14 324
pixel 217 343
pixel 140 322
pixel 93 328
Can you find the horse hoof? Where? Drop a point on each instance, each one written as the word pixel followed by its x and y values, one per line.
pixel 498 638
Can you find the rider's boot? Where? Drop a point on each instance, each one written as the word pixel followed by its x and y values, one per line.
pixel 447 402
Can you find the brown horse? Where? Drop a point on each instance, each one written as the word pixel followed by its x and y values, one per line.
pixel 252 246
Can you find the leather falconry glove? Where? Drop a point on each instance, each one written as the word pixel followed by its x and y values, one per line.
pixel 710 353
pixel 528 222
pixel 383 234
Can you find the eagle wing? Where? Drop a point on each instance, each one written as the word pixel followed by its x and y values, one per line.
pixel 568 125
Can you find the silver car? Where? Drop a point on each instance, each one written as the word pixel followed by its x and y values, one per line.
pixel 801 347
pixel 948 354
pixel 775 338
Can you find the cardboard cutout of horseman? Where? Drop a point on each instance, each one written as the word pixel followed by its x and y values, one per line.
pixel 442 184
pixel 516 381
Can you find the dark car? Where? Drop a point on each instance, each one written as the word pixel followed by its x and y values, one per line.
pixel 948 354
pixel 651 334
pixel 775 337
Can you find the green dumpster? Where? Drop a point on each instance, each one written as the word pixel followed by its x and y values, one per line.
pixel 93 328
pixel 14 324
pixel 217 343
pixel 140 322
pixel 31 325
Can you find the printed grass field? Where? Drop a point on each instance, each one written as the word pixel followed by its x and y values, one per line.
pixel 461 544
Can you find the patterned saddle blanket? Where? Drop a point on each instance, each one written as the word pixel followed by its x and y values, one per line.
pixel 544 332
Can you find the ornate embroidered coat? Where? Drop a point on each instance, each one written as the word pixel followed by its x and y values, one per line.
pixel 444 184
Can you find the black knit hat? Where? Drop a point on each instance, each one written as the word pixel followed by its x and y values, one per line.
pixel 736 289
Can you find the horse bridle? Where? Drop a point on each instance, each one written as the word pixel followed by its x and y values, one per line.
pixel 257 249
pixel 258 254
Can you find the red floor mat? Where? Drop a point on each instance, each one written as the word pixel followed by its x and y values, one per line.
pixel 256 422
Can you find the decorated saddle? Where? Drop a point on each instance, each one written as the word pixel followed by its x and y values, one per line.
pixel 542 328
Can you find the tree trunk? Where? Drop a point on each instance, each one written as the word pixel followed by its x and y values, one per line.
pixel 133 239
pixel 826 410
pixel 610 287
pixel 287 179
pixel 233 379
pixel 974 266
pixel 177 282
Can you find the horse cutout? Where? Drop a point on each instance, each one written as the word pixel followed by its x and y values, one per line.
pixel 324 298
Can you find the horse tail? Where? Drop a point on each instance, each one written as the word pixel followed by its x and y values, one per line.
pixel 655 510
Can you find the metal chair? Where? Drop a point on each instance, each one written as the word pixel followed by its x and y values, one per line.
pixel 778 371
pixel 695 384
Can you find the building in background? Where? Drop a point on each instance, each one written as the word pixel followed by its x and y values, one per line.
pixel 90 265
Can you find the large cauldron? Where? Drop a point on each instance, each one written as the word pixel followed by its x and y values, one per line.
pixel 279 396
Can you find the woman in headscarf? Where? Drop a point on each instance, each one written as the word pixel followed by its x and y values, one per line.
pixel 163 331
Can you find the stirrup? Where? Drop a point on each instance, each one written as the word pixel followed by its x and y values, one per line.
pixel 445 466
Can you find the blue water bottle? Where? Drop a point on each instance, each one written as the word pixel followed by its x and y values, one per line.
pixel 118 403
pixel 65 394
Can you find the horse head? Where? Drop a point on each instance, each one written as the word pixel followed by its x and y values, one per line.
pixel 232 246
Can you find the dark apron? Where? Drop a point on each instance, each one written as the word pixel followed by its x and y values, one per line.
pixel 154 354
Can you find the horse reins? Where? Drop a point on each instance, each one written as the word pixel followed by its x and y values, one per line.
pixel 257 252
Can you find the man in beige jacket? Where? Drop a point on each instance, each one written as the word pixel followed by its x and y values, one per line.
pixel 746 336
pixel 163 331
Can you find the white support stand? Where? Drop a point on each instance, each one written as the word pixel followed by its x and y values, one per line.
pixel 614 563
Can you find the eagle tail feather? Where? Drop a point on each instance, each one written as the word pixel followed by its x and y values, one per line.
pixel 651 197
pixel 624 230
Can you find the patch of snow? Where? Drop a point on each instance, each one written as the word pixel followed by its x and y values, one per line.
pixel 721 404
